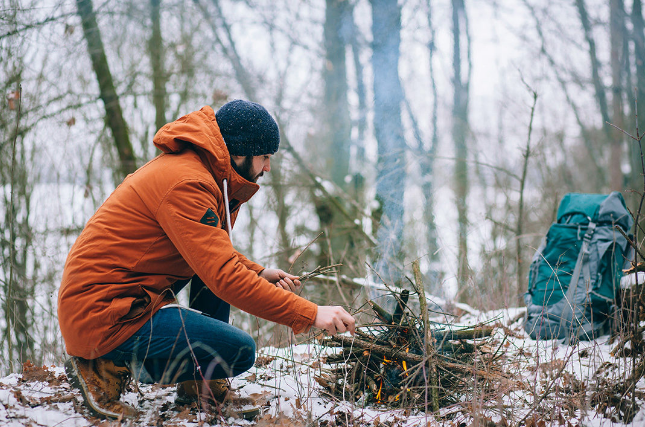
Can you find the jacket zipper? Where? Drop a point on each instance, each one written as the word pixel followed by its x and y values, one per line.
pixel 228 211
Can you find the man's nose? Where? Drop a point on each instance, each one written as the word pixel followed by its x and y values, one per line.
pixel 267 166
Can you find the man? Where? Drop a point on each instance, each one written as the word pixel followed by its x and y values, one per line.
pixel 168 222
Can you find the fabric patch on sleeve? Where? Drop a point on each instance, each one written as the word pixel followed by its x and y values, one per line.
pixel 210 218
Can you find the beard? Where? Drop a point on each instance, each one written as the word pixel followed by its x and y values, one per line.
pixel 245 169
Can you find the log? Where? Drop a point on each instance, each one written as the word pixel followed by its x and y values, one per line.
pixel 381 313
pixel 391 353
pixel 402 302
pixel 463 334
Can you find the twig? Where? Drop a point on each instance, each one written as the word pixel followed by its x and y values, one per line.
pixel 410 357
pixel 626 133
pixel 547 391
pixel 303 251
pixel 318 271
pixel 633 245
pixel 428 349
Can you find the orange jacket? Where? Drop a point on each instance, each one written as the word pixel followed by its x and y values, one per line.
pixel 166 222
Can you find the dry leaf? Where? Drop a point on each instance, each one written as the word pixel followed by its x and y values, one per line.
pixel 12 97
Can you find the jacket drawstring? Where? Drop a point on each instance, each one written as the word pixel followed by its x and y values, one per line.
pixel 228 210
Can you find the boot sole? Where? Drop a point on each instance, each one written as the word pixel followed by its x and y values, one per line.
pixel 75 379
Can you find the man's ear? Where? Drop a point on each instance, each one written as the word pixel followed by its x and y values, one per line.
pixel 237 159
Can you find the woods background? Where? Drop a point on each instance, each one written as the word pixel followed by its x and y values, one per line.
pixel 440 130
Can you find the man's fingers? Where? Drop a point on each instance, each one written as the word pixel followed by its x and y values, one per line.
pixel 284 284
pixel 339 325
pixel 290 284
pixel 334 320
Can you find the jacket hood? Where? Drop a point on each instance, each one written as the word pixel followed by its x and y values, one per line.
pixel 199 131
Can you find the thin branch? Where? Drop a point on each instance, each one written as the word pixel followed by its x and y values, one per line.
pixel 303 251
pixel 625 132
pixel 617 227
pixel 35 25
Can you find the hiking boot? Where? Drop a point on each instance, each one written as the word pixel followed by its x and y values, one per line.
pixel 191 391
pixel 101 383
pixel 220 390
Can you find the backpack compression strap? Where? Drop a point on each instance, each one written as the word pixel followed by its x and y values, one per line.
pixel 582 265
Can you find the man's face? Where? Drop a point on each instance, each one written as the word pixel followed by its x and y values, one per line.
pixel 251 168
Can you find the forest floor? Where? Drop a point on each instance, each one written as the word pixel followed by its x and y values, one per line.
pixel 548 384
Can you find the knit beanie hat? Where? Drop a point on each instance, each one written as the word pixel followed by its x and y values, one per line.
pixel 248 129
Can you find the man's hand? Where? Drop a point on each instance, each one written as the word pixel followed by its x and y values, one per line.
pixel 334 320
pixel 282 279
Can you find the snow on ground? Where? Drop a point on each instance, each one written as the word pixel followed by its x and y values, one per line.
pixel 283 384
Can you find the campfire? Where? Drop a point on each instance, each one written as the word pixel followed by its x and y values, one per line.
pixel 389 362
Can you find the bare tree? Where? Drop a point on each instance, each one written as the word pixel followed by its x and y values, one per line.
pixel 155 50
pixel 616 32
pixel 388 95
pixel 460 129
pixel 219 24
pixel 16 184
pixel 337 120
pixel 427 164
pixel 638 38
pixel 108 94
pixel 354 36
pixel 597 173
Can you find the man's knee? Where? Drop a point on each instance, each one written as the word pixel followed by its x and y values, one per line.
pixel 246 356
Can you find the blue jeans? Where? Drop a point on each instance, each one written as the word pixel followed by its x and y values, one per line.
pixel 179 344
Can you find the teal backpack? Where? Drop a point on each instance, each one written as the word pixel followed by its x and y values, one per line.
pixel 575 273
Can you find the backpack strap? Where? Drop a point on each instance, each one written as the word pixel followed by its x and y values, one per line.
pixel 582 265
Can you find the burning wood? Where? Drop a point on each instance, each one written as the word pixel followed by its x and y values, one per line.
pixel 389 363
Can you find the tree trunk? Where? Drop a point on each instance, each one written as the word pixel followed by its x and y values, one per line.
pixel 616 30
pixel 282 212
pixel 156 60
pixel 459 135
pixel 427 171
pixel 337 137
pixel 113 112
pixel 390 181
pixel 601 97
pixel 639 57
pixel 357 190
pixel 19 267
pixel 361 124
pixel 338 125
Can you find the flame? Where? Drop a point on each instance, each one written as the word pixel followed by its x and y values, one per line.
pixel 378 395
pixel 405 365
pixel 386 360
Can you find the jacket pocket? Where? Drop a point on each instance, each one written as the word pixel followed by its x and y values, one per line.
pixel 128 308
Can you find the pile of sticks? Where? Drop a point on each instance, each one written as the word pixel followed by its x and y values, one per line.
pixel 390 362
